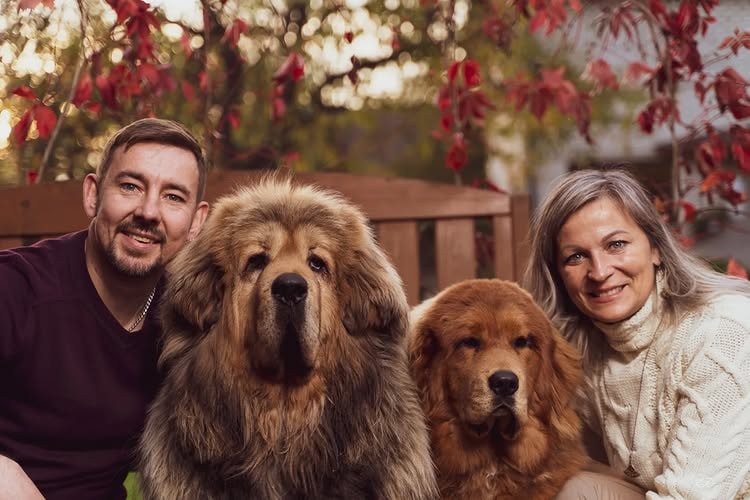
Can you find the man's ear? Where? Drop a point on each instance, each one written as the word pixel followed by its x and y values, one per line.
pixel 91 195
pixel 199 217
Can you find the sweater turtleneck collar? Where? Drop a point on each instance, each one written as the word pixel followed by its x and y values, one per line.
pixel 636 332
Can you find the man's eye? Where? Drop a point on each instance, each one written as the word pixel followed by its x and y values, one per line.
pixel 175 198
pixel 128 186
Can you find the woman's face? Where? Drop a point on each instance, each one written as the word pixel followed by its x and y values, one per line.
pixel 606 261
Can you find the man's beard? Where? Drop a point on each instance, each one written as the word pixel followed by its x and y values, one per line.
pixel 133 267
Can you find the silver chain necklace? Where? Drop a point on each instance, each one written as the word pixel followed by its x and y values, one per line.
pixel 143 312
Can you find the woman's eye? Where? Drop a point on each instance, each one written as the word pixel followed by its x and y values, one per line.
pixel 618 245
pixel 469 343
pixel 317 264
pixel 574 258
pixel 522 342
pixel 257 262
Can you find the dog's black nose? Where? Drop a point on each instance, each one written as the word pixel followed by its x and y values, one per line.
pixel 289 288
pixel 503 383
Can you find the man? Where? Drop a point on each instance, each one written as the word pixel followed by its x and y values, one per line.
pixel 78 323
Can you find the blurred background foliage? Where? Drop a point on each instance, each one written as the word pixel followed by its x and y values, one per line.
pixel 380 118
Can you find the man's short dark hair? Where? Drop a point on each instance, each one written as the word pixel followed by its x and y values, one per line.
pixel 157 131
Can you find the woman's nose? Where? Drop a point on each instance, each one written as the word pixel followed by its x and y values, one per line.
pixel 600 268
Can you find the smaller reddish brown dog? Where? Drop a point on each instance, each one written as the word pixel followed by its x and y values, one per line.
pixel 496 382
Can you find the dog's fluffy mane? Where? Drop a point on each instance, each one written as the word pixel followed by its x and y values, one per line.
pixel 216 429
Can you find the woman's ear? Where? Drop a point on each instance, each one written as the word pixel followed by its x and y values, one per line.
pixel 655 257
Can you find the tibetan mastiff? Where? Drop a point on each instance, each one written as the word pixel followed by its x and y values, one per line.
pixel 497 384
pixel 284 355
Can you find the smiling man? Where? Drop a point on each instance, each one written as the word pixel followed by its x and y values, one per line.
pixel 78 314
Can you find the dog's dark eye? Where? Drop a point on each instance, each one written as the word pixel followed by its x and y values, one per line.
pixel 317 264
pixel 521 342
pixel 469 342
pixel 256 262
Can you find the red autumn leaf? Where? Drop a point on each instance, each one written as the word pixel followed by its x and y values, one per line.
pixel 635 71
pixel 94 107
pixel 741 154
pixel 233 32
pixel 576 5
pixel 446 122
pixel 21 128
pixel 107 91
pixel 456 158
pixel 202 80
pixel 293 68
pixel 187 90
pixel 730 89
pixel 497 30
pixel 31 4
pixel 234 119
pixel 25 92
pixel 185 43
pixel 741 39
pixel 278 108
pixel 716 178
pixel 689 210
pixel 45 120
pixel 83 90
pixel 395 43
pixel 349 36
pixel 471 73
pixel 685 240
pixel 735 269
pixel 147 72
pixel 453 71
pixel 599 73
pixel 31 177
pixel 126 8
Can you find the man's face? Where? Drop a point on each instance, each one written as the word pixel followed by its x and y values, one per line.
pixel 145 208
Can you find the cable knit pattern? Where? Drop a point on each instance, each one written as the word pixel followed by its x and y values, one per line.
pixel 692 428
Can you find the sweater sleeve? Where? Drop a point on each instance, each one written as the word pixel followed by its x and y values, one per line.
pixel 707 451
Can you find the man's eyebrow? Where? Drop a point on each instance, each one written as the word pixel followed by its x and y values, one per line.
pixel 142 178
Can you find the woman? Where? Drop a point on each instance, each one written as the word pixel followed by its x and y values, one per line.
pixel 665 341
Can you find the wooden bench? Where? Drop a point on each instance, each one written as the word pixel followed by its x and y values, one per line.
pixel 402 212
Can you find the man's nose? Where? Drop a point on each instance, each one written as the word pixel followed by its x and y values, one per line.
pixel 148 208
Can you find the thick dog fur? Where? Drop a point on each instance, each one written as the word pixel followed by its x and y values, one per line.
pixel 286 372
pixel 496 382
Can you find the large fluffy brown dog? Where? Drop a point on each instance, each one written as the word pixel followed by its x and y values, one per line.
pixel 496 383
pixel 285 360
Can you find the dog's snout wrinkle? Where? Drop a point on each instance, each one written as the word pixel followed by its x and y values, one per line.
pixel 289 288
pixel 503 383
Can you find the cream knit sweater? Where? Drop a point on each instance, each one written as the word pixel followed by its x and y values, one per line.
pixel 679 399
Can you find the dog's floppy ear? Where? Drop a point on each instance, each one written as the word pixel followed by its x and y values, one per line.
pixel 371 292
pixel 423 347
pixel 195 288
pixel 557 381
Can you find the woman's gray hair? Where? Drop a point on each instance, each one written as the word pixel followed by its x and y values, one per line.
pixel 687 280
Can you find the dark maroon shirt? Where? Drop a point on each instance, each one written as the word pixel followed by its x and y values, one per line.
pixel 74 385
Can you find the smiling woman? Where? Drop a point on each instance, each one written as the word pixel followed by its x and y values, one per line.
pixel 665 341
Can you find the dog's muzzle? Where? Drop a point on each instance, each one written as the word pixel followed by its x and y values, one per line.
pixel 296 350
